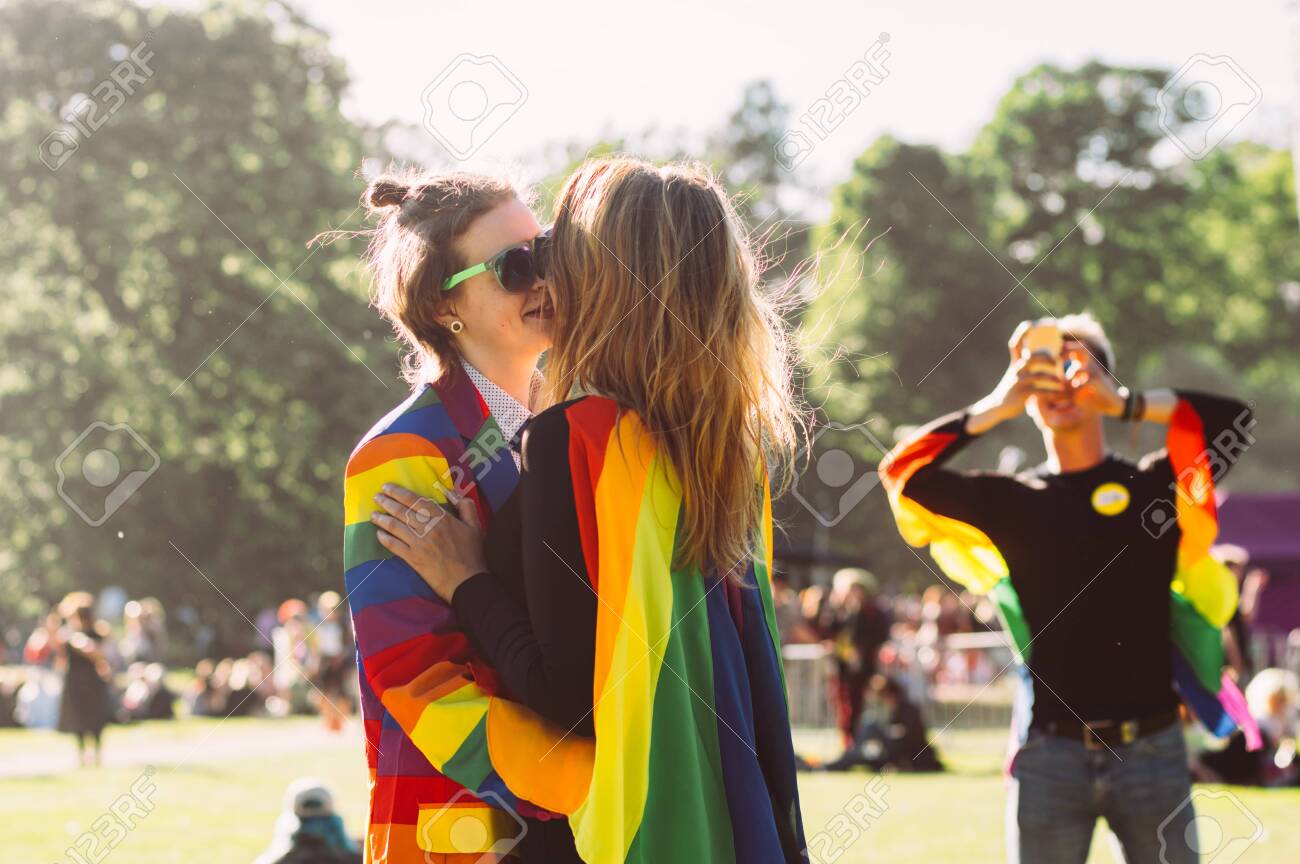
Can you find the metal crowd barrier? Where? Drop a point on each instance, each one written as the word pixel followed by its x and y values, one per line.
pixel 979 704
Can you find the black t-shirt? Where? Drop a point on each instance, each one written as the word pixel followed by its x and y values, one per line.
pixel 1091 555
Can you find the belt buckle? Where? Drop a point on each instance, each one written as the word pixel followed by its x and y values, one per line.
pixel 1128 731
pixel 1091 740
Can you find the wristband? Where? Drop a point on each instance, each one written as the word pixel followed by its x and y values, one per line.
pixel 1135 406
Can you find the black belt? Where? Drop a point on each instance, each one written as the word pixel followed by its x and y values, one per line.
pixel 1097 734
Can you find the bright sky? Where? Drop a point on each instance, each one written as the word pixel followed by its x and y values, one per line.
pixel 598 67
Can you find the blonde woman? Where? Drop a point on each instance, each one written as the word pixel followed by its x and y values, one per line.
pixel 625 588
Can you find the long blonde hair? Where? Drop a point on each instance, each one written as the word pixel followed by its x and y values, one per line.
pixel 659 308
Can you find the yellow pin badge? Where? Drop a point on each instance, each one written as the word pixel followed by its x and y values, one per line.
pixel 1110 499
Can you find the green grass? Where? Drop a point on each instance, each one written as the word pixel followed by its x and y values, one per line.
pixel 219 788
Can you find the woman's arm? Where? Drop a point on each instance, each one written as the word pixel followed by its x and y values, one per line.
pixel 417 660
pixel 545 653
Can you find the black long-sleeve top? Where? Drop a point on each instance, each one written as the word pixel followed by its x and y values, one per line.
pixel 541 642
pixel 546 662
pixel 1091 555
pixel 534 618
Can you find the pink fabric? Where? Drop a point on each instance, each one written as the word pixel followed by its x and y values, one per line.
pixel 1235 704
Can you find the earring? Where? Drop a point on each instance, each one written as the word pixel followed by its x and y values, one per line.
pixel 456 326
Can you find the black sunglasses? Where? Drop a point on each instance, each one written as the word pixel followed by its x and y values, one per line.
pixel 517 269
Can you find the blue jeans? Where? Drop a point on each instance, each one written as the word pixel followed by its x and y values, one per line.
pixel 1059 787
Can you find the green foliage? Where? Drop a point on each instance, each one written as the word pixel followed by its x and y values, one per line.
pixel 1066 201
pixel 143 287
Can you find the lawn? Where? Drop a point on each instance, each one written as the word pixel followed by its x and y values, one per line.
pixel 215 790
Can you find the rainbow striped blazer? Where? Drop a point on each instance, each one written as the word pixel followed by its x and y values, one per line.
pixel 442 745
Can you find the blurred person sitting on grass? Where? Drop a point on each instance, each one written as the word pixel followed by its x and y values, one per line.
pixel 900 742
pixel 1274 699
pixel 204 697
pixel 309 831
pixel 147 696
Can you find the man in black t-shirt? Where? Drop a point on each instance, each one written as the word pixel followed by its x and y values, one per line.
pixel 1089 543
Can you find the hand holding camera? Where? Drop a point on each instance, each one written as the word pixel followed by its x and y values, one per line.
pixel 1043 363
pixel 1035 367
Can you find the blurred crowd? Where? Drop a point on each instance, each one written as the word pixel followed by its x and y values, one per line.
pixel 891 656
pixel 94 661
pixel 906 636
pixel 885 659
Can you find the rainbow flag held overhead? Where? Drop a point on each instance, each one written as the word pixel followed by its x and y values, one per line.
pixel 1203 591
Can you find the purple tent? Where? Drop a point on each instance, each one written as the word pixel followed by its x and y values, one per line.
pixel 1268 527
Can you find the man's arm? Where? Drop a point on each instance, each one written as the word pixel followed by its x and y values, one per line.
pixel 1213 431
pixel 914 469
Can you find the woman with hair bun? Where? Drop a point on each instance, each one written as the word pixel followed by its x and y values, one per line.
pixel 454 259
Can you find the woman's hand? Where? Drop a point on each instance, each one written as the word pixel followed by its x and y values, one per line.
pixel 444 551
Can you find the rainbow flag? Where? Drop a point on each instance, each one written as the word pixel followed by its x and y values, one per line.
pixel 442 743
pixel 1203 591
pixel 693 757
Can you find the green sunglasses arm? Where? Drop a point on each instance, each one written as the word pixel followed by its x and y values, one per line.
pixel 460 277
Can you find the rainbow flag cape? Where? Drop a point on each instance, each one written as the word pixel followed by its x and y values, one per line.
pixel 1203 591
pixel 693 757
pixel 442 743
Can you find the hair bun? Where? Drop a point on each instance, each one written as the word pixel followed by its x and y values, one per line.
pixel 386 192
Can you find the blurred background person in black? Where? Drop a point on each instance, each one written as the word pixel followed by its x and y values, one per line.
pixel 85 707
pixel 854 626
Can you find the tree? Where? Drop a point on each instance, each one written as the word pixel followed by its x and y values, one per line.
pixel 144 287
pixel 1063 203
